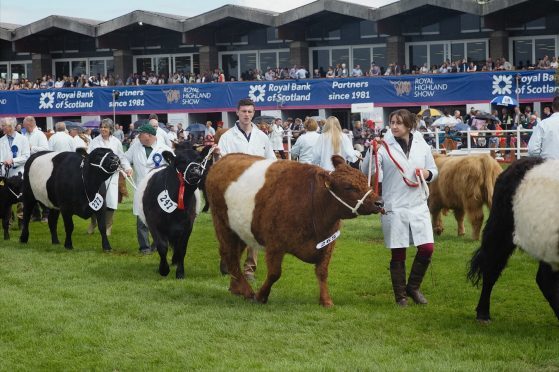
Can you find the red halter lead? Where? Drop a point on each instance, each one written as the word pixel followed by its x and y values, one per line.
pixel 180 200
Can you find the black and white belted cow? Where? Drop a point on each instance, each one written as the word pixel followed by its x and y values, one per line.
pixel 168 200
pixel 68 183
pixel 10 192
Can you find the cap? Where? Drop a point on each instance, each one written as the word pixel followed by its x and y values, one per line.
pixel 147 129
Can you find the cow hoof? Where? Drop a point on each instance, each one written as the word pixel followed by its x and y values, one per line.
pixel 438 231
pixel 327 304
pixel 164 271
pixel 107 250
pixel 484 321
pixel 55 241
pixel 68 247
pixel 261 299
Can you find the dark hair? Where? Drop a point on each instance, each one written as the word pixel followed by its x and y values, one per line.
pixel 245 102
pixel 409 119
pixel 555 104
pixel 153 116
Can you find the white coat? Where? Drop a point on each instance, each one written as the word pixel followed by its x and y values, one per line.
pixel 276 137
pixel 37 140
pixel 136 156
pixel 61 141
pixel 323 151
pixel 235 141
pixel 162 137
pixel 22 152
pixel 112 183
pixel 303 148
pixel 545 138
pixel 408 220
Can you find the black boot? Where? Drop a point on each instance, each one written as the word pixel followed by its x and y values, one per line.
pixel 398 276
pixel 418 269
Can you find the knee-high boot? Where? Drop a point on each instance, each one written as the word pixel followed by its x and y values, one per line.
pixel 398 276
pixel 109 214
pixel 418 269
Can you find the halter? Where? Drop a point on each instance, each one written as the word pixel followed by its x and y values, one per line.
pixel 100 165
pixel 359 202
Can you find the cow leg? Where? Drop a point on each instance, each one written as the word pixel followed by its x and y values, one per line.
pixel 27 210
pixel 437 220
pixel 180 252
pixel 548 281
pixel 69 227
pixel 321 270
pixel 484 304
pixel 102 226
pixel 459 216
pixel 162 246
pixel 475 215
pixel 273 261
pixel 53 223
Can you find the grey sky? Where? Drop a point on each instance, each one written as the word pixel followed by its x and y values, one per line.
pixel 26 11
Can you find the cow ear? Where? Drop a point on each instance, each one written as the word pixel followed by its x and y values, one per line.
pixel 337 160
pixel 169 157
pixel 82 151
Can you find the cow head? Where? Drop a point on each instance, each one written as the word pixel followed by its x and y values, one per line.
pixel 349 186
pixel 104 159
pixel 187 163
pixel 13 187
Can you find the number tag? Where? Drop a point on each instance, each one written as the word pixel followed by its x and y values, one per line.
pixel 329 240
pixel 96 203
pixel 165 202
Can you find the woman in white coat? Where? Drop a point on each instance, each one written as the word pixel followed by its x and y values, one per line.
pixel 333 141
pixel 303 148
pixel 108 141
pixel 276 137
pixel 404 162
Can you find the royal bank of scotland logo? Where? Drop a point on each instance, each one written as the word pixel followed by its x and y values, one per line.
pixel 502 84
pixel 46 100
pixel 257 93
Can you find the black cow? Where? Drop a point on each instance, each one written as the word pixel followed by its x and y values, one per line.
pixel 173 226
pixel 66 183
pixel 10 191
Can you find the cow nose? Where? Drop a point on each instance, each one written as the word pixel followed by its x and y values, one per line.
pixel 379 203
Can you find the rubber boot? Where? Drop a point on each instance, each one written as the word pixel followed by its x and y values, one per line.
pixel 418 270
pixel 92 225
pixel 109 221
pixel 398 276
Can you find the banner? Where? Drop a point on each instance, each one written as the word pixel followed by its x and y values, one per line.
pixel 405 90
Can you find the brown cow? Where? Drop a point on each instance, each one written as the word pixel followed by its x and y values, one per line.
pixel 250 196
pixel 465 184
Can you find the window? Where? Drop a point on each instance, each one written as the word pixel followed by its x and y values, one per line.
pixel 436 54
pixel 476 52
pixel 61 68
pixel 247 65
pixel 340 56
pixel 183 64
pixel 527 50
pixel 543 47
pixel 230 66
pixel 284 59
pixel 162 64
pixel 143 64
pixel 536 24
pixel 432 29
pixel 4 71
pixel 18 70
pixel 321 59
pixel 418 55
pixel 96 67
pixel 362 57
pixel 320 32
pixel 368 29
pixel 333 35
pixel 470 23
pixel 379 56
pixel 457 51
pixel 80 67
pixel 268 60
pixel 240 39
pixel 272 35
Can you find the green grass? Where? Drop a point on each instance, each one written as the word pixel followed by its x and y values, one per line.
pixel 86 310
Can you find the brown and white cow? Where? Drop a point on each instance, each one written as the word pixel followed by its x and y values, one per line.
pixel 250 196
pixel 465 184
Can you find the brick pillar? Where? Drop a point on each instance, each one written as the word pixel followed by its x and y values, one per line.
pixel 395 50
pixel 299 54
pixel 208 58
pixel 499 45
pixel 41 65
pixel 123 63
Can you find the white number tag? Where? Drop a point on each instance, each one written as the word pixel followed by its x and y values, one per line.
pixel 165 202
pixel 96 203
pixel 325 242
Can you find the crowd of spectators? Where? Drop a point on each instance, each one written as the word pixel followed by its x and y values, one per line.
pixel 340 70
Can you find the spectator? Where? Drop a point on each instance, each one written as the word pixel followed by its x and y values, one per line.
pixel 357 72
pixel 61 141
pixel 303 148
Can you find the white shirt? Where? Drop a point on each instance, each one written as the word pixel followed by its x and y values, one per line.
pixel 162 137
pixel 79 143
pixel 545 138
pixel 61 141
pixel 235 141
pixel 136 155
pixel 20 145
pixel 37 140
pixel 303 148
pixel 172 136
pixel 112 183
pixel 323 151
pixel 276 137
pixel 209 130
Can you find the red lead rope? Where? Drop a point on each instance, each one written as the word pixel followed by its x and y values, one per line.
pixel 407 181
pixel 181 192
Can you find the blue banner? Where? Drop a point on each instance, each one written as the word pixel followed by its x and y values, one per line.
pixel 406 90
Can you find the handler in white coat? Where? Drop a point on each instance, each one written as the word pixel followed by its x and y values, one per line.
pixel 246 138
pixel 108 141
pixel 333 141
pixel 144 155
pixel 303 148
pixel 37 140
pixel 404 161
pixel 276 137
pixel 14 147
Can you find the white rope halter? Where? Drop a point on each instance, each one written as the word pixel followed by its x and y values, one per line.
pixel 359 202
pixel 100 165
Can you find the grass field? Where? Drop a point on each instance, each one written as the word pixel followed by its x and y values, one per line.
pixel 86 310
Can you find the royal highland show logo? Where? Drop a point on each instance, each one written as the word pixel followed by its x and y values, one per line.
pixel 402 87
pixel 257 93
pixel 502 84
pixel 46 101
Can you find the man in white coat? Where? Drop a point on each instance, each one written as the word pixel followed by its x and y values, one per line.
pixel 144 155
pixel 61 141
pixel 245 137
pixel 160 133
pixel 14 152
pixel 37 139
pixel 544 141
pixel 276 137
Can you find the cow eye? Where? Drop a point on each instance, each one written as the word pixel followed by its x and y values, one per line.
pixel 349 188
